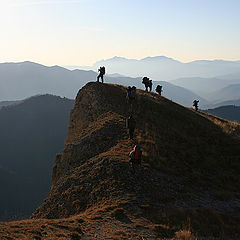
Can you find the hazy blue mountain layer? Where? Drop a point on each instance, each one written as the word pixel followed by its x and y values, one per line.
pixel 21 80
pixel 231 113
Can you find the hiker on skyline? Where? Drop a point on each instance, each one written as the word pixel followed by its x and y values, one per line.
pixel 130 125
pixel 159 90
pixel 135 157
pixel 195 104
pixel 148 83
pixel 101 71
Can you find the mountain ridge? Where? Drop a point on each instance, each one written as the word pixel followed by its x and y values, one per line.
pixel 188 182
pixel 161 68
pixel 161 57
pixel 175 175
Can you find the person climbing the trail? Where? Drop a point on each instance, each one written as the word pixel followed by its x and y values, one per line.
pixel 129 89
pixel 131 96
pixel 159 90
pixel 195 104
pixel 135 157
pixel 133 93
pixel 148 83
pixel 130 125
pixel 101 71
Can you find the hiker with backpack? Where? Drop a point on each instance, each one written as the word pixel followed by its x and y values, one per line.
pixel 129 89
pixel 131 94
pixel 148 83
pixel 135 157
pixel 101 71
pixel 130 125
pixel 195 104
pixel 159 90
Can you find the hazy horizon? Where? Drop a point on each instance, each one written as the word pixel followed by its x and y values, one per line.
pixel 81 32
pixel 115 56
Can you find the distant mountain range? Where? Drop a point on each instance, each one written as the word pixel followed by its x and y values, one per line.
pixel 228 112
pixel 209 79
pixel 231 92
pixel 224 103
pixel 204 86
pixel 32 133
pixel 22 80
pixel 220 88
pixel 165 69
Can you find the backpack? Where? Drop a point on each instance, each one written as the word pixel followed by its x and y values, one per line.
pixel 138 156
pixel 102 70
pixel 195 103
pixel 137 153
pixel 159 88
pixel 129 89
pixel 145 80
pixel 132 93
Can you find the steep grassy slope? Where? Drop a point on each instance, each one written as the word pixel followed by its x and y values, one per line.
pixel 189 177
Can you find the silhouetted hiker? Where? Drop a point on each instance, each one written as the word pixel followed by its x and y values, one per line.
pixel 148 83
pixel 101 71
pixel 159 89
pixel 130 125
pixel 195 104
pixel 129 89
pixel 131 94
pixel 135 157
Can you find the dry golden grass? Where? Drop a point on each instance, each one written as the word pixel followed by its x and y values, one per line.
pixel 229 127
pixel 184 235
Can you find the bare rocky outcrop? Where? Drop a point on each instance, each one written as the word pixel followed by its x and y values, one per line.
pixel 93 127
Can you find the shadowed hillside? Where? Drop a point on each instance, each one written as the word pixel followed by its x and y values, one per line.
pixel 8 103
pixel 189 178
pixel 32 132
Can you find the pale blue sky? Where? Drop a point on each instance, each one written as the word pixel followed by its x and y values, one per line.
pixel 72 32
